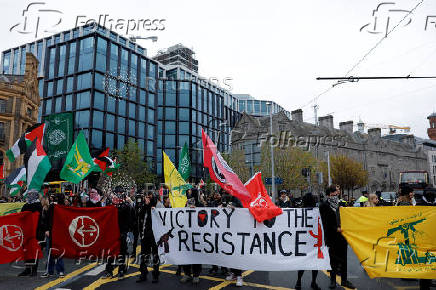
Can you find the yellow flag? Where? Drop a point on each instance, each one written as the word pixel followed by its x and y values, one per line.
pixel 10 207
pixel 176 183
pixel 396 242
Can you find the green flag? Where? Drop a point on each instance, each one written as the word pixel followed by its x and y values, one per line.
pixel 78 163
pixel 58 135
pixel 185 163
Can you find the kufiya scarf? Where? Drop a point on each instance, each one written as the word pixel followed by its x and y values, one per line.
pixel 333 202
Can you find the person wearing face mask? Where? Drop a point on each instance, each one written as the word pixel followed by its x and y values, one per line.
pixel 329 211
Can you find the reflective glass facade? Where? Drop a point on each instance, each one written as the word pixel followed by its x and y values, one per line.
pixel 117 93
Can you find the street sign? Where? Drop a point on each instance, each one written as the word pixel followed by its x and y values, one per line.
pixel 278 180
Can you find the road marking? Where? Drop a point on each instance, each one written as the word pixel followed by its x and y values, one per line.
pixel 96 271
pixel 338 280
pixel 67 277
pixel 227 283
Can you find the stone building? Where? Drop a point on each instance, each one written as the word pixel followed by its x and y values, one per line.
pixel 19 103
pixel 383 158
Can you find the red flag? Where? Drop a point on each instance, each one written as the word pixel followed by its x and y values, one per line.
pixel 221 172
pixel 261 206
pixel 85 232
pixel 18 237
pixel 2 172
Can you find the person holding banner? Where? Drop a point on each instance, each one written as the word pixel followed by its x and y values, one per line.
pixel 33 204
pixel 406 199
pixel 308 202
pixel 125 220
pixel 329 210
pixel 192 271
pixel 148 243
pixel 235 274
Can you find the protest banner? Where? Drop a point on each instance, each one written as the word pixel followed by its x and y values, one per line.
pixel 233 238
pixel 396 242
pixel 91 232
pixel 18 237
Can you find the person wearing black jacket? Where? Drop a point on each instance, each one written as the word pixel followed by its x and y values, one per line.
pixel 329 210
pixel 125 220
pixel 192 271
pixel 235 274
pixel 148 243
pixel 33 204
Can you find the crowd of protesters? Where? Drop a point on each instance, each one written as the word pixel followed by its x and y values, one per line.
pixel 134 214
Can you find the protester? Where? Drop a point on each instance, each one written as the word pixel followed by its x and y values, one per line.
pixel 125 221
pixel 94 199
pixel 33 204
pixel 310 202
pixel 148 242
pixel 372 200
pixel 52 261
pixel 329 210
pixel 284 200
pixel 235 274
pixel 192 272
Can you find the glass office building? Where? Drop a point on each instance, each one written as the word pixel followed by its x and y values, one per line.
pixel 186 104
pixel 117 93
pixel 258 108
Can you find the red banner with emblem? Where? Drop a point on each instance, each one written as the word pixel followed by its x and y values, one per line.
pixel 221 173
pixel 18 237
pixel 85 232
pixel 261 206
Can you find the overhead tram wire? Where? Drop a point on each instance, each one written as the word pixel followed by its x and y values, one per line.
pixel 366 54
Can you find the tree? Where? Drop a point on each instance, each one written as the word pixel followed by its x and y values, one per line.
pixel 236 160
pixel 288 165
pixel 134 171
pixel 347 172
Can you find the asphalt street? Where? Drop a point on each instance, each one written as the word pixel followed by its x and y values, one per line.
pixel 88 276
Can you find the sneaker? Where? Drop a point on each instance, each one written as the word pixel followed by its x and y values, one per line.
pixel 239 281
pixel 231 277
pixel 185 279
pixel 107 275
pixel 348 284
pixel 195 280
pixel 45 275
pixel 61 274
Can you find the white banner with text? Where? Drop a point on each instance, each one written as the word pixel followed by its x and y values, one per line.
pixel 233 238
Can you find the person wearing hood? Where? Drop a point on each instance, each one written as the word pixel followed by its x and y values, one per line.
pixel 33 204
pixel 329 211
pixel 284 200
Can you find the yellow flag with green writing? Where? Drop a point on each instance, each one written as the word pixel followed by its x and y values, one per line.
pixel 10 207
pixel 396 242
pixel 176 183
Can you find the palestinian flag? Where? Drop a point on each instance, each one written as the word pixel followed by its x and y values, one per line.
pixel 37 165
pixel 16 180
pixel 106 164
pixel 20 147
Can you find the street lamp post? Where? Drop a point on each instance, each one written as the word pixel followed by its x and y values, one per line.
pixel 273 181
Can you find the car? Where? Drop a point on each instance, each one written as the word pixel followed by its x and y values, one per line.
pixel 389 196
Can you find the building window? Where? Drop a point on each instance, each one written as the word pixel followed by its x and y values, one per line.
pixel 83 100
pixel 98 120
pixel 3 105
pixel 110 122
pixel 101 55
pixel 82 119
pixel 86 54
pixel 97 137
pixel 72 58
pixel 2 133
pixel 98 101
pixel 121 125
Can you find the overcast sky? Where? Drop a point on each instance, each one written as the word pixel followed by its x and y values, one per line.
pixel 276 49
